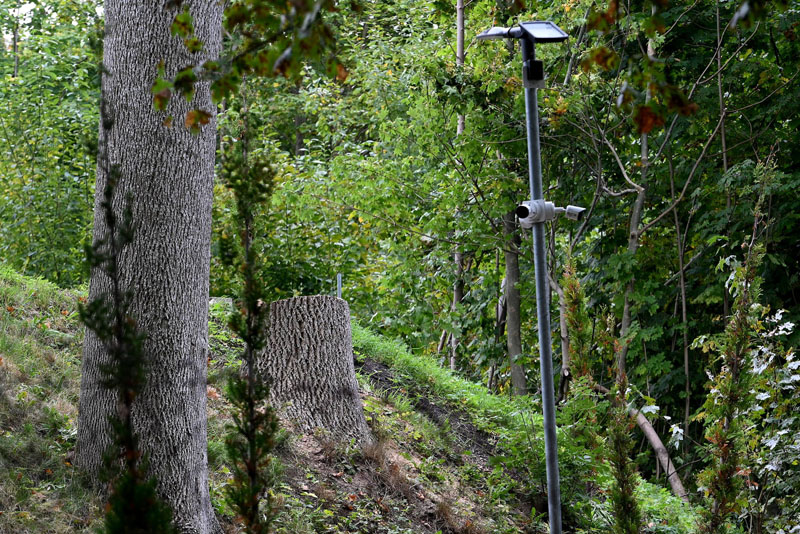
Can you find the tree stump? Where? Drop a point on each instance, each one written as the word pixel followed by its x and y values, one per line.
pixel 308 363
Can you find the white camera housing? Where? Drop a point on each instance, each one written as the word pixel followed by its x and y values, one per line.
pixel 575 213
pixel 531 212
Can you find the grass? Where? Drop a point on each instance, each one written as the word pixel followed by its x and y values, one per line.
pixel 40 490
pixel 517 424
pixel 489 412
pixel 420 478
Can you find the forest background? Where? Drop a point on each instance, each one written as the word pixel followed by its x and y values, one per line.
pixel 674 123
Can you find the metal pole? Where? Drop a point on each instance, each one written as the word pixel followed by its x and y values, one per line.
pixel 339 285
pixel 542 302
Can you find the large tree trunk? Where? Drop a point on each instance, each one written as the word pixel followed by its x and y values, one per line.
pixel 309 365
pixel 513 324
pixel 169 174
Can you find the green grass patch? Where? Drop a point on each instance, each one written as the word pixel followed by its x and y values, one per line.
pixel 40 335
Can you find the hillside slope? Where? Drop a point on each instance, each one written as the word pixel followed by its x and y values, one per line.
pixel 448 457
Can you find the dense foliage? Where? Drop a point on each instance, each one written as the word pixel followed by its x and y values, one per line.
pixel 49 90
pixel 667 120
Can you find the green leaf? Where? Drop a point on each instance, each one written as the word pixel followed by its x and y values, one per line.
pixel 183 25
pixel 184 82
pixel 193 44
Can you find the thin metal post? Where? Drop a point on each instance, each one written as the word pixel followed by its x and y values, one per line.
pixel 542 303
pixel 339 285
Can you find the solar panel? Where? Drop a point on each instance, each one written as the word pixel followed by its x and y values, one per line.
pixel 543 31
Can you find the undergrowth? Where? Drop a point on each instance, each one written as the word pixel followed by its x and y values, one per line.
pixel 516 422
pixel 424 480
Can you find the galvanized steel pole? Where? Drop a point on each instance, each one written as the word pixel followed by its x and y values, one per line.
pixel 542 300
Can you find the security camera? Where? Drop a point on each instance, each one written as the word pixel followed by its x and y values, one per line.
pixel 523 210
pixel 531 212
pixel 574 213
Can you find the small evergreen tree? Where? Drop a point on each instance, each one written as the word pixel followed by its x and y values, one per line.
pixel 133 506
pixel 252 436
pixel 732 388
pixel 628 517
pixel 578 324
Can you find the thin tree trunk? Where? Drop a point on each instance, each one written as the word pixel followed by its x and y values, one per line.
pixel 443 339
pixel 566 376
pixel 169 174
pixel 458 289
pixel 633 234
pixel 299 141
pixel 460 51
pixel 15 42
pixel 513 301
pixel 684 314
pixel 633 246
pixel 458 295
pixel 658 447
pixel 499 329
pixel 723 112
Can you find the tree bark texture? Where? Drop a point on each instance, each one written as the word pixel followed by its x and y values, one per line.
pixel 513 321
pixel 169 174
pixel 309 366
